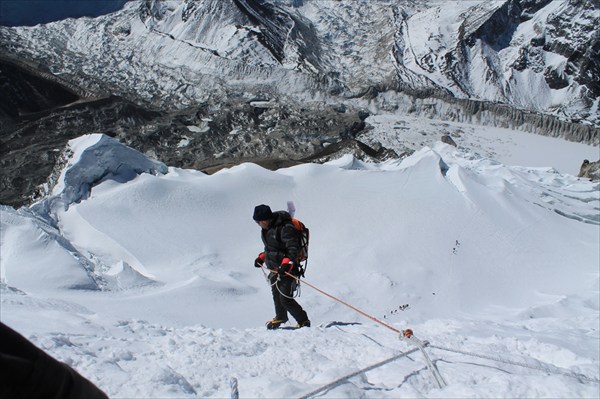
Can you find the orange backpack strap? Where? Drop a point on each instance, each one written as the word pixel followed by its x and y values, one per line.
pixel 298 224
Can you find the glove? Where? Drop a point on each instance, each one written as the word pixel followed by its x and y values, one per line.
pixel 285 267
pixel 260 260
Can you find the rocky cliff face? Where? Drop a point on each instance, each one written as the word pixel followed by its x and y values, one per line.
pixel 533 55
pixel 590 170
pixel 206 137
pixel 205 83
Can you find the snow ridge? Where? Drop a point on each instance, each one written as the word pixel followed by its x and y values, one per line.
pixel 466 251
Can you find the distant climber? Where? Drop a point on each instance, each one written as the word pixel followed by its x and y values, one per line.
pixel 282 243
pixel 29 373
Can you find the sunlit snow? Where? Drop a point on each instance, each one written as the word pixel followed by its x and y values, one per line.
pixel 144 282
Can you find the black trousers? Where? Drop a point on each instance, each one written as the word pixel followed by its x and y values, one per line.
pixel 283 292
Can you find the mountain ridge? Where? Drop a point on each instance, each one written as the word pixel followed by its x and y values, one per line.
pixel 288 42
pixel 324 64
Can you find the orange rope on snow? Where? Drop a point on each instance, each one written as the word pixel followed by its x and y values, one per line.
pixel 342 302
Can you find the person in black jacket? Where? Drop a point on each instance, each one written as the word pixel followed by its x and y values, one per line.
pixel 282 244
pixel 29 373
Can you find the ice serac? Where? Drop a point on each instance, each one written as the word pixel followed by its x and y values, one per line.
pixel 92 159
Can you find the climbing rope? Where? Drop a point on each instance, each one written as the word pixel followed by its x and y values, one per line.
pixel 340 301
pixel 343 379
pixel 408 336
pixel 296 291
pixel 233 384
pixel 543 367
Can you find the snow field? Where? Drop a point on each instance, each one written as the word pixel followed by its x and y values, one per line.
pixel 146 286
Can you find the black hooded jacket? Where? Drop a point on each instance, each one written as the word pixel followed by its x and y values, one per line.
pixel 281 240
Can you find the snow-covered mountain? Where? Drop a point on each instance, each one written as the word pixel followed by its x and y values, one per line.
pixel 205 84
pixel 535 55
pixel 138 272
pixel 141 278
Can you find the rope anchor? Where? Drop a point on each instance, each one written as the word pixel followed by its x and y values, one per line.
pixel 408 336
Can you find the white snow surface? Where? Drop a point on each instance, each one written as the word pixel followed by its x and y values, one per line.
pixel 145 285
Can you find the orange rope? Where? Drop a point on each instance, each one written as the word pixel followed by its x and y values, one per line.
pixel 342 302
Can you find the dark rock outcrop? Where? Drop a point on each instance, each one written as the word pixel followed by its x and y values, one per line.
pixel 590 170
pixel 25 93
pixel 448 140
pixel 356 148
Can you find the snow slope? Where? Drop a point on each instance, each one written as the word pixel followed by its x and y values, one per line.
pixel 145 284
pixel 510 147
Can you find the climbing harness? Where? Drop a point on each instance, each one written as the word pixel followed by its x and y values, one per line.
pixel 296 291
